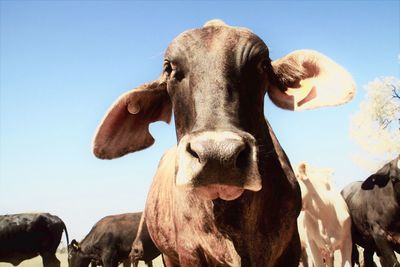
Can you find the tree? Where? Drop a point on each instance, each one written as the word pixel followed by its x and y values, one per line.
pixel 376 125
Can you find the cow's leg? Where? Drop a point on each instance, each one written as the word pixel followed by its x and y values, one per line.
pixel 93 264
pixel 49 259
pixel 168 261
pixel 355 256
pixel 387 256
pixel 304 258
pixel 316 256
pixel 330 260
pixel 343 255
pixel 109 259
pixel 310 262
pixel 149 263
pixel 126 263
pixel 292 255
pixel 369 258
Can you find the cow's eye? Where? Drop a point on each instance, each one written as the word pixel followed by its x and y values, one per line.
pixel 173 71
pixel 167 67
pixel 265 65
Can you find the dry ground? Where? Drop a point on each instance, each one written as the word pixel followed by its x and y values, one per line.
pixel 37 262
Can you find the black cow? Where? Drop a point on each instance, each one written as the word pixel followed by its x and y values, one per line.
pixel 27 235
pixel 375 211
pixel 226 195
pixel 109 242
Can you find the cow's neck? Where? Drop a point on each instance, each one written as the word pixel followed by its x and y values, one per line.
pixel 244 220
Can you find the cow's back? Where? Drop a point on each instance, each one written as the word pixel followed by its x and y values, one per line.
pixel 112 233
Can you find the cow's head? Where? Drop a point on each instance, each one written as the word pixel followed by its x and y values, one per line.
pixel 214 80
pixel 76 257
pixel 313 182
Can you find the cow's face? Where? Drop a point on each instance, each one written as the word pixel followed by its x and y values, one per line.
pixel 214 80
pixel 76 258
pixel 314 182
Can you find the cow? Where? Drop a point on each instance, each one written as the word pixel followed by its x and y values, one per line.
pixel 374 206
pixel 109 242
pixel 226 194
pixel 27 235
pixel 325 219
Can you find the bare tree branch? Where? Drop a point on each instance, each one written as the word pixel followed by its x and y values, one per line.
pixel 395 94
pixel 385 123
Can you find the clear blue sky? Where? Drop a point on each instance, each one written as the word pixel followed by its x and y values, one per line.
pixel 62 63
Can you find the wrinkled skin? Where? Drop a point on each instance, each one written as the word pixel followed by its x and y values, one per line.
pixel 221 233
pixel 374 206
pixel 226 194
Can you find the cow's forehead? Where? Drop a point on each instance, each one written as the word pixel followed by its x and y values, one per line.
pixel 215 37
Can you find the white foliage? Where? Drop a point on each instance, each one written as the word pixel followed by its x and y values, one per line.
pixel 376 125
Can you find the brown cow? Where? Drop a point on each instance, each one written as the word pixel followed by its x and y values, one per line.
pixel 226 194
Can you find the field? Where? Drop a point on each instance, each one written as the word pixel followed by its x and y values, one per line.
pixel 37 262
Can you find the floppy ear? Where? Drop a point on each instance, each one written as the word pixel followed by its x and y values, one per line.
pixel 306 79
pixel 375 179
pixel 125 127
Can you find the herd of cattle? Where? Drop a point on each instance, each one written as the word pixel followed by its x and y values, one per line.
pixel 226 194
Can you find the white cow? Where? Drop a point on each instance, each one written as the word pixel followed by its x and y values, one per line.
pixel 324 222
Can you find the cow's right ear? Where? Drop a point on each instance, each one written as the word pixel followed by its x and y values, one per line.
pixel 125 127
pixel 375 179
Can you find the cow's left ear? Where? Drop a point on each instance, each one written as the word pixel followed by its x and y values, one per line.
pixel 306 79
pixel 125 127
pixel 376 179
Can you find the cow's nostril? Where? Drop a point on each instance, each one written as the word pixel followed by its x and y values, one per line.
pixel 192 152
pixel 242 159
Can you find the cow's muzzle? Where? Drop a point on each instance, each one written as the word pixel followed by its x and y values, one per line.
pixel 218 164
